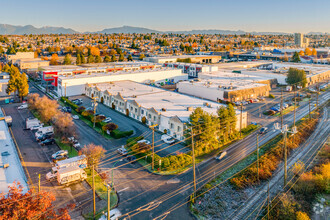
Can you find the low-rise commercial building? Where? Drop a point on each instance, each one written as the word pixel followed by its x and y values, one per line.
pixel 151 105
pixel 31 64
pixel 191 58
pixel 11 169
pixel 192 69
pixel 20 55
pixel 70 85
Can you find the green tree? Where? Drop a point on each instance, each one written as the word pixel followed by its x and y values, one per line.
pixel 14 77
pixel 6 68
pixel 130 58
pixel 11 50
pixel 296 77
pixel 107 59
pixel 121 57
pixel 78 60
pixel 83 60
pixel 113 58
pixel 90 59
pixel 67 59
pixel 142 56
pixel 98 59
pixel 1 50
pixel 23 86
pixel 295 57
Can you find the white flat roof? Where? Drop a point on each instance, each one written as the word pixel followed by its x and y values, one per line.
pixel 8 155
pixel 122 72
pixel 176 104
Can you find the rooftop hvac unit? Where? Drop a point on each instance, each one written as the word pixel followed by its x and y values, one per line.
pixel 189 109
pixel 134 96
pixel 205 104
pixel 163 109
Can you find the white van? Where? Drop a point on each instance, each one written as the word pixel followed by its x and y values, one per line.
pixel 221 155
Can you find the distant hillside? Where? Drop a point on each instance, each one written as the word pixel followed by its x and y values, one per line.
pixel 318 33
pixel 128 30
pixel 29 29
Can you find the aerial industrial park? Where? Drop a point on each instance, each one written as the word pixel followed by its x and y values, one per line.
pixel 136 123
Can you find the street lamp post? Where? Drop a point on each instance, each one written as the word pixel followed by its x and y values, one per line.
pixel 284 130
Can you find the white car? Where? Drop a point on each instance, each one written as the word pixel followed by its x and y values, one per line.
pixel 75 117
pixel 60 153
pixel 76 144
pixel 107 120
pixel 24 106
pixel 144 141
pixel 167 139
pixel 221 155
pixel 122 151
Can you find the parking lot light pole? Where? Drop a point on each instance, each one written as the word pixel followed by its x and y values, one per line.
pixel 95 104
pixel 284 131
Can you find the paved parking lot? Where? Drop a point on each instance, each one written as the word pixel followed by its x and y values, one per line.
pixel 38 161
pixel 126 123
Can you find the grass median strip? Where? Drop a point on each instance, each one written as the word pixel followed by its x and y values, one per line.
pixel 71 150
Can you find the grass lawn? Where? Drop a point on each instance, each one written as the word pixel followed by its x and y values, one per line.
pixel 72 151
pixel 100 188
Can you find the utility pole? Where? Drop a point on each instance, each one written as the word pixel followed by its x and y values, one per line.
pixel 94 99
pixel 39 183
pixel 193 158
pixel 317 97
pixel 258 157
pixel 94 205
pixel 259 112
pixel 65 88
pixel 294 111
pixel 153 145
pixel 309 106
pixel 240 124
pixel 109 191
pixel 281 108
pixel 285 158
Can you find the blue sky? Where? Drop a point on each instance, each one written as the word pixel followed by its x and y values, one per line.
pixel 248 15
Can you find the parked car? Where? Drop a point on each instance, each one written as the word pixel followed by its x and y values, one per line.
pixel 48 142
pixel 261 98
pixel 122 151
pixel 75 117
pixel 107 120
pixel 255 100
pixel 263 130
pixel 68 109
pixel 60 153
pixel 24 106
pixel 167 139
pixel 44 137
pixel 59 158
pixel 245 103
pixel 221 155
pixel 144 141
pixel 76 144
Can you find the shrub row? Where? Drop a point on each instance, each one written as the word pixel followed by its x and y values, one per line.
pixel 168 163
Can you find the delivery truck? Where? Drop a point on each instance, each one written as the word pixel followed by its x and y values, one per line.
pixel 68 175
pixel 79 161
pixel 44 130
pixel 31 122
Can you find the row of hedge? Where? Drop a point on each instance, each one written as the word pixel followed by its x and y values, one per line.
pixel 116 133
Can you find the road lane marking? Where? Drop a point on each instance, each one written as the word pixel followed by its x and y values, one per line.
pixel 123 189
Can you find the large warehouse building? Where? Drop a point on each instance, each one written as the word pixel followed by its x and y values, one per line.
pixel 203 59
pixel 70 85
pixel 169 110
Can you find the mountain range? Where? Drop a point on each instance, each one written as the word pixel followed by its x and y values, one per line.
pixel 7 29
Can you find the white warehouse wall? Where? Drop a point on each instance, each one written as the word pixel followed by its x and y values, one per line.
pixel 202 92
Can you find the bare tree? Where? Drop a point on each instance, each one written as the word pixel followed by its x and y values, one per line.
pixel 93 152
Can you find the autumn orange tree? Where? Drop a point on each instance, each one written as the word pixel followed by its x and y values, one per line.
pixel 54 59
pixel 18 205
pixel 93 152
